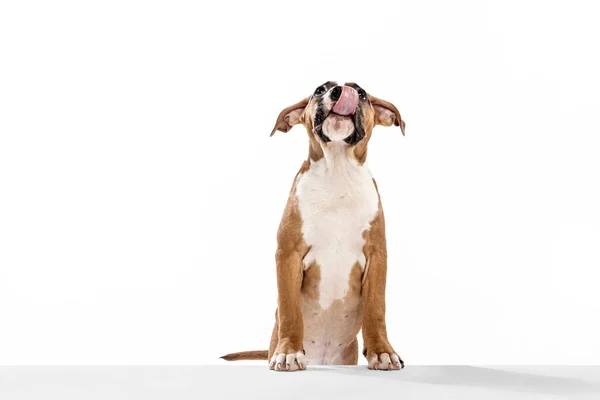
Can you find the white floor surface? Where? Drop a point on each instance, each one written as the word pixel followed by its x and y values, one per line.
pixel 257 382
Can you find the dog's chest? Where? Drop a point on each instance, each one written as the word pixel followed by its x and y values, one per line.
pixel 337 201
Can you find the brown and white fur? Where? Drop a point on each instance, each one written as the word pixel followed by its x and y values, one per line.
pixel 331 244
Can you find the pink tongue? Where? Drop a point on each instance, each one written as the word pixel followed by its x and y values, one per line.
pixel 346 105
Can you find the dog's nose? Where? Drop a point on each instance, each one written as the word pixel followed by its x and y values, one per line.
pixel 346 100
pixel 336 93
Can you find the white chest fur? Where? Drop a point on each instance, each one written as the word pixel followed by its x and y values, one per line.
pixel 337 201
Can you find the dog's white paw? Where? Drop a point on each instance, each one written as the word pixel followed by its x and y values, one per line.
pixel 288 362
pixel 385 361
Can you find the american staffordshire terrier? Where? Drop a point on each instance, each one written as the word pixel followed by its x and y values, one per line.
pixel 331 245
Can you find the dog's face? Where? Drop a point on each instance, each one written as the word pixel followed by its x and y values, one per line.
pixel 337 112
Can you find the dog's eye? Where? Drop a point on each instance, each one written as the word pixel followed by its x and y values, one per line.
pixel 320 90
pixel 362 94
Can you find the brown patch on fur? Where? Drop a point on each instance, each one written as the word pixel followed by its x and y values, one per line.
pixel 373 292
pixel 315 152
pixel 368 118
pixel 291 250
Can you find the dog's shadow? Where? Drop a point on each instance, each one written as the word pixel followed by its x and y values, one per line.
pixel 468 376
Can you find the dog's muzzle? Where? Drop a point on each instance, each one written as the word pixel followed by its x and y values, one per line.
pixel 346 105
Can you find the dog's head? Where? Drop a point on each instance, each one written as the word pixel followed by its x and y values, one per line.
pixel 339 113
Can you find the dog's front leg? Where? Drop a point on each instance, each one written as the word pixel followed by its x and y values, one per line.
pixel 289 353
pixel 377 348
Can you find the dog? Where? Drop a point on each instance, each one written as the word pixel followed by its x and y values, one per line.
pixel 331 257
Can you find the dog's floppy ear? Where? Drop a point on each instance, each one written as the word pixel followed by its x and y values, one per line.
pixel 386 113
pixel 290 116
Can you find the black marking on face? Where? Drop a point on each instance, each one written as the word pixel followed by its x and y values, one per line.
pixel 324 88
pixel 336 92
pixel 319 114
pixel 362 95
pixel 320 91
pixel 318 122
pixel 319 132
pixel 359 130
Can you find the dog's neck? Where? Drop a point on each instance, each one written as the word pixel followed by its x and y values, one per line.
pixel 338 158
pixel 336 151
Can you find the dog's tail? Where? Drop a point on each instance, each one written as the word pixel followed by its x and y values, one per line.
pixel 247 355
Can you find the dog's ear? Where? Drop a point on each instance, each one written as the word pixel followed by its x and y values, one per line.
pixel 290 116
pixel 386 113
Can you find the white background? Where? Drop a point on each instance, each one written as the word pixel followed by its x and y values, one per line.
pixel 141 193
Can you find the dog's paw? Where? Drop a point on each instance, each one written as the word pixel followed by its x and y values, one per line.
pixel 292 361
pixel 288 356
pixel 385 361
